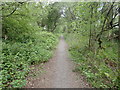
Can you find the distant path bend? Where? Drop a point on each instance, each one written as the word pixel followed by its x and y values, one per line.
pixel 59 72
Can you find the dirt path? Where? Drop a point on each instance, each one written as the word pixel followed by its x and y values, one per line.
pixel 58 72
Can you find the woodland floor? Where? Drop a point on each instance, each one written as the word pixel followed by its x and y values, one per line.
pixel 57 73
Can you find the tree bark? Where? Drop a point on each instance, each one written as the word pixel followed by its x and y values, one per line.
pixel 90 35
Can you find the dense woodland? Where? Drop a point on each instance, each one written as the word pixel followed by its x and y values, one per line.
pixel 31 30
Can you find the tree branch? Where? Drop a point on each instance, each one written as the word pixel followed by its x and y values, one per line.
pixel 20 3
pixel 11 12
pixel 105 21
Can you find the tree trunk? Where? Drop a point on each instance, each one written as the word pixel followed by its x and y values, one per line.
pixel 90 35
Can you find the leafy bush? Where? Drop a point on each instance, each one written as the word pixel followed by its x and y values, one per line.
pixel 17 57
pixel 24 43
pixel 17 29
pixel 100 69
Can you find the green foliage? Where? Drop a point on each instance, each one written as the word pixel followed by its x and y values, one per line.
pixel 100 69
pixel 17 56
pixel 92 39
pixel 53 15
pixel 24 42
pixel 12 27
pixel 93 25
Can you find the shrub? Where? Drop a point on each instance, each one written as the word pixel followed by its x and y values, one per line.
pixel 100 69
pixel 18 56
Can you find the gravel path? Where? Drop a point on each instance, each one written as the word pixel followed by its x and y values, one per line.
pixel 59 72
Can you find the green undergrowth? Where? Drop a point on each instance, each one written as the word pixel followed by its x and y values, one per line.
pixel 99 68
pixel 18 56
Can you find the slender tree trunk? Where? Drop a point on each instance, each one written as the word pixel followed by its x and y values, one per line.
pixel 119 49
pixel 90 35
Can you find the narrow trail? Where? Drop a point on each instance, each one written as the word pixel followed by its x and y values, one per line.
pixel 59 72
